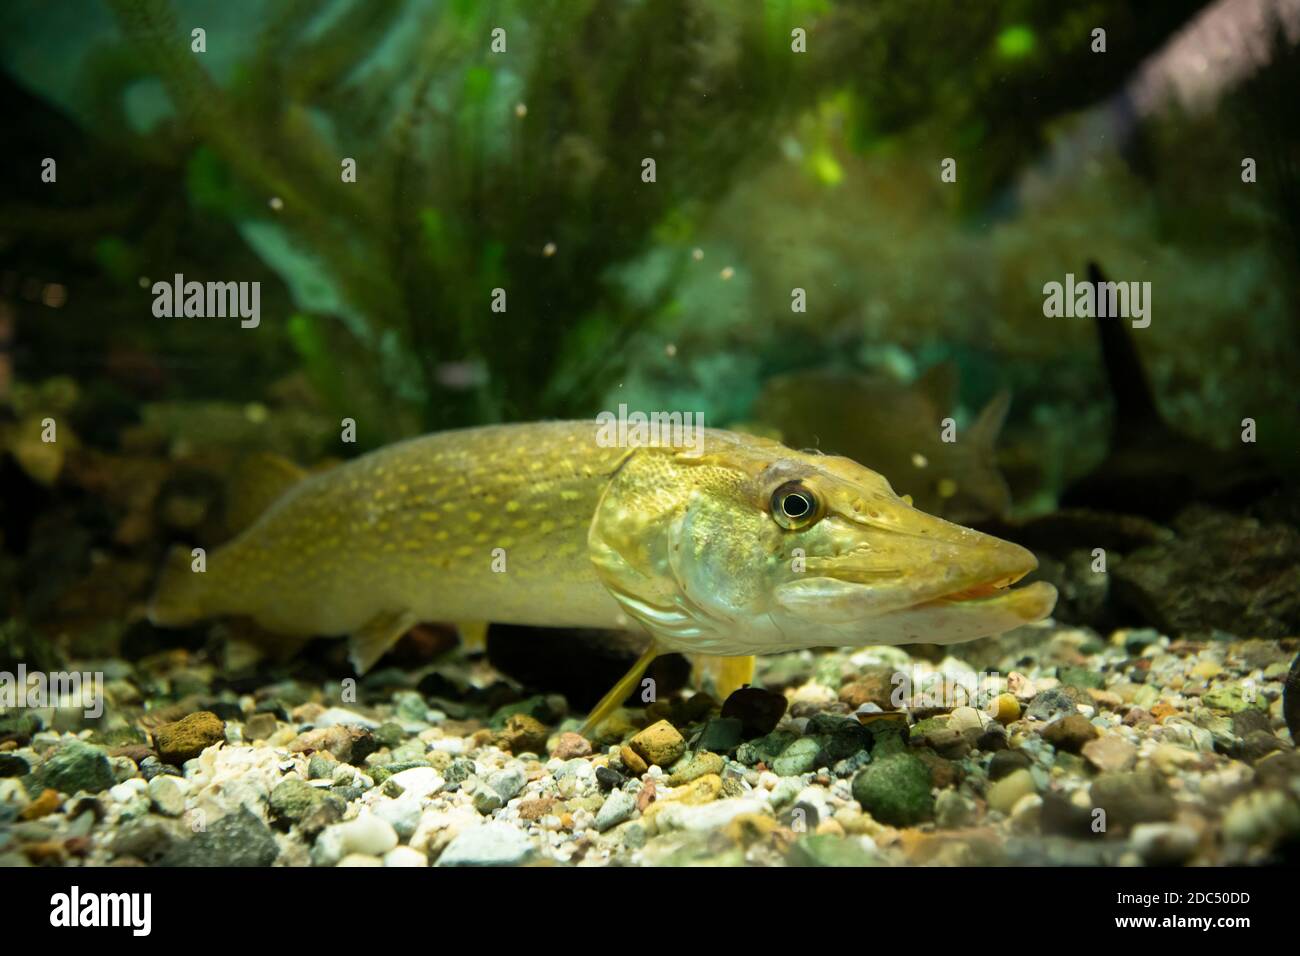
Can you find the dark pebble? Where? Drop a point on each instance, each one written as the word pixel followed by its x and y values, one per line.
pixel 758 710
pixel 608 778
pixel 12 765
pixel 1006 762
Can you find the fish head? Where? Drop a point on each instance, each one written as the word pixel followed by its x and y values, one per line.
pixel 755 548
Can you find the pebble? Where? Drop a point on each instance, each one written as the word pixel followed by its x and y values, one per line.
pixel 699 764
pixel 708 816
pixel 1110 753
pixel 405 856
pixel 1069 733
pixel 895 790
pixel 798 758
pixel 488 844
pixel 368 834
pixel 188 737
pixel 660 744
pixel 402 814
pixel 1006 762
pixel 238 839
pixel 1005 709
pixel 618 807
pixel 1007 792
pixel 758 710
pixel 342 717
pixel 417 781
pixel 507 783
pixel 1164 844
pixel 523 734
pixel 167 794
pixel 76 766
pixel 570 745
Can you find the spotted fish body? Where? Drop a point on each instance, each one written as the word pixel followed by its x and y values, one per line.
pixel 545 524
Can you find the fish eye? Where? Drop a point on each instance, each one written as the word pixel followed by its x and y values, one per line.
pixel 794 506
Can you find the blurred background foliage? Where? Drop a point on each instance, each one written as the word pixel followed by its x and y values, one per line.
pixel 522 171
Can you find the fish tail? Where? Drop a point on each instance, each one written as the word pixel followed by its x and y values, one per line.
pixel 179 598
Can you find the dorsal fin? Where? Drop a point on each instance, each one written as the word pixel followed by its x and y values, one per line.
pixel 1135 407
pixel 988 424
pixel 258 480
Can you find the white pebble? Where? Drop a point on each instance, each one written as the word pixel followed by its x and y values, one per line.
pixel 406 857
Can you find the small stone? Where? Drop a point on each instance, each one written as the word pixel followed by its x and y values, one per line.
pixel 523 734
pixel 700 763
pixel 1164 844
pixel 348 744
pixel 507 783
pixel 608 778
pixel 188 737
pixel 722 735
pixel 1007 792
pixel 895 790
pixel 260 726
pixel 758 710
pixel 632 760
pixel 321 767
pixel 237 839
pixel 359 859
pixel 660 743
pixel 1007 762
pixel 618 807
pixel 403 814
pixel 416 782
pixel 1069 733
pixel 48 802
pixel 1050 704
pixel 798 758
pixel 168 794
pixel 342 717
pixel 490 844
pixel 1110 753
pixel 967 718
pixel 571 745
pixel 953 810
pixel 486 800
pixel 367 834
pixel 1139 796
pixel 1005 709
pixel 76 766
pixel 294 801
pixel 871 687
pixel 12 765
pixel 404 856
pixel 533 810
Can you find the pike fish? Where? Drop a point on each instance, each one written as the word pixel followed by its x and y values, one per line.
pixel 746 548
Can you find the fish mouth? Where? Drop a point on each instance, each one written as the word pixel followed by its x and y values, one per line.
pixel 1028 603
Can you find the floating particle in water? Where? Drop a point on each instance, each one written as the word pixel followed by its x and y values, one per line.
pixel 670 350
pixel 521 110
pixel 276 203
pixel 548 250
pixel 54 295
pixel 697 254
pixel 1016 42
pixel 727 273
pixel 919 460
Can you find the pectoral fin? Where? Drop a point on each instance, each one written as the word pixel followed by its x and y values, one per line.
pixel 726 674
pixel 618 693
pixel 374 639
pixel 473 636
